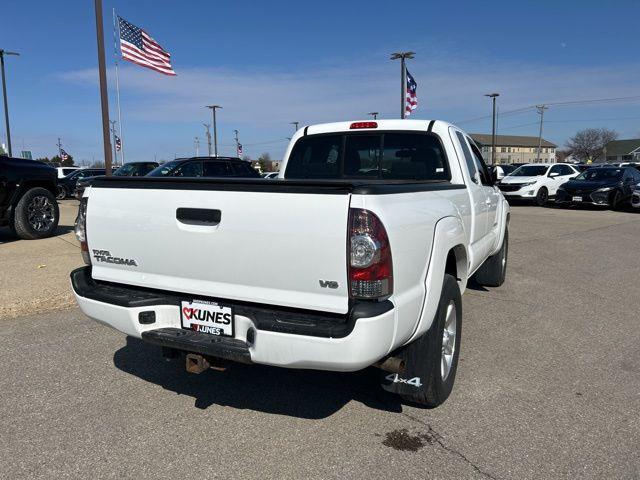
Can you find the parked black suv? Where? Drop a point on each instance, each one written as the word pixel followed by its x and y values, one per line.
pixel 67 185
pixel 206 167
pixel 27 198
pixel 605 186
pixel 131 169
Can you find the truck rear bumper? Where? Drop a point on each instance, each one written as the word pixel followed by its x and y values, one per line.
pixel 266 335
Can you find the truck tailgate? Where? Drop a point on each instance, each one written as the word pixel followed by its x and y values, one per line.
pixel 275 248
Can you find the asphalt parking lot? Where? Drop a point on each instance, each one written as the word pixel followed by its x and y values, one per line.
pixel 548 386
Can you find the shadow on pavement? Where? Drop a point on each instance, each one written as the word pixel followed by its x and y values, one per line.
pixel 298 393
pixel 7 236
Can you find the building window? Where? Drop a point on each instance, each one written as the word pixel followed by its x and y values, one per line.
pixel 503 149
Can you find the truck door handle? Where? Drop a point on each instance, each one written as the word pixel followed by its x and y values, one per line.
pixel 199 216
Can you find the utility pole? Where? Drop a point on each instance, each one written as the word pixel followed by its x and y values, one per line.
pixel 59 144
pixel 104 99
pixel 374 115
pixel 237 143
pixel 295 126
pixel 4 96
pixel 493 96
pixel 207 126
pixel 113 136
pixel 403 56
pixel 196 143
pixel 215 128
pixel 541 109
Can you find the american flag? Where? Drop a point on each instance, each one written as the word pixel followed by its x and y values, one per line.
pixel 118 143
pixel 411 99
pixel 64 155
pixel 138 47
pixel 239 149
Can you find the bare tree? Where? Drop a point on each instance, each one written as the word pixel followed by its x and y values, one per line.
pixel 264 161
pixel 588 144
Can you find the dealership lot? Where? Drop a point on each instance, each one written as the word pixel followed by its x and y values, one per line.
pixel 548 385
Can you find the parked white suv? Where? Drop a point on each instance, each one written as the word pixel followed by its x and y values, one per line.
pixel 64 171
pixel 376 226
pixel 536 181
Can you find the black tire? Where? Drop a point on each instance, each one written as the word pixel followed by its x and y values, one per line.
pixel 422 381
pixel 61 193
pixel 616 200
pixel 542 197
pixel 493 271
pixel 36 214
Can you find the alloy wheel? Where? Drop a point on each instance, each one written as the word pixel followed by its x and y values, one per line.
pixel 448 340
pixel 40 213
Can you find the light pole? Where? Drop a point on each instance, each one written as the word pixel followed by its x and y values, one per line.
pixel 493 97
pixel 113 137
pixel 373 114
pixel 207 127
pixel 4 96
pixel 215 128
pixel 237 143
pixel 403 77
pixel 541 109
pixel 196 143
pixel 295 126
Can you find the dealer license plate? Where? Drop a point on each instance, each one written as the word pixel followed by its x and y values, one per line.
pixel 576 199
pixel 207 317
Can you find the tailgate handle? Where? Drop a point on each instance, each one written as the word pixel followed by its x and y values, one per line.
pixel 198 216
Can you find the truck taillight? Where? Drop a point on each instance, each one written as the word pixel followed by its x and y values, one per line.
pixel 81 230
pixel 370 265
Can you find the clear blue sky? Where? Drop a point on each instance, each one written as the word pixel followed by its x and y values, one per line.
pixel 270 63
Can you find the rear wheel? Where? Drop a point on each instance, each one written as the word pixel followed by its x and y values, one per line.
pixel 431 361
pixel 616 200
pixel 61 193
pixel 493 271
pixel 36 215
pixel 542 196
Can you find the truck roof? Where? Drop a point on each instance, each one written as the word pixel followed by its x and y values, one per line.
pixel 395 124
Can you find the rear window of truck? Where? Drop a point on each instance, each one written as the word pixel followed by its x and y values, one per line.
pixel 389 155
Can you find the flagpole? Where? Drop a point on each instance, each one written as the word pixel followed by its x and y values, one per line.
pixel 403 78
pixel 403 85
pixel 115 56
pixel 113 135
pixel 104 98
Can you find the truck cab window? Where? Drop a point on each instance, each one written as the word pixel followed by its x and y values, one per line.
pixel 316 157
pixel 485 178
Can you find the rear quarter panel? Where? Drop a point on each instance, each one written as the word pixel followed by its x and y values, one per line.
pixel 410 220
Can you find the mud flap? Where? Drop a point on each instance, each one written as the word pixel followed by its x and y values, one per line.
pixel 415 377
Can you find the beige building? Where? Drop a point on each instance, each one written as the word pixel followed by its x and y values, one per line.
pixel 515 148
pixel 622 150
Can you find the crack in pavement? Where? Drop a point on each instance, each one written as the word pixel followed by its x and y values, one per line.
pixel 439 439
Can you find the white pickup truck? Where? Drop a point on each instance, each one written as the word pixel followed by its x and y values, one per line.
pixel 357 255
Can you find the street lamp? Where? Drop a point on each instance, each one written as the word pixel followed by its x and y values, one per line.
pixel 215 129
pixel 373 114
pixel 493 129
pixel 403 77
pixel 4 96
pixel 295 126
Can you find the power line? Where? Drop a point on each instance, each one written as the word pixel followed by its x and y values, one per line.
pixel 571 121
pixel 558 104
pixel 598 100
